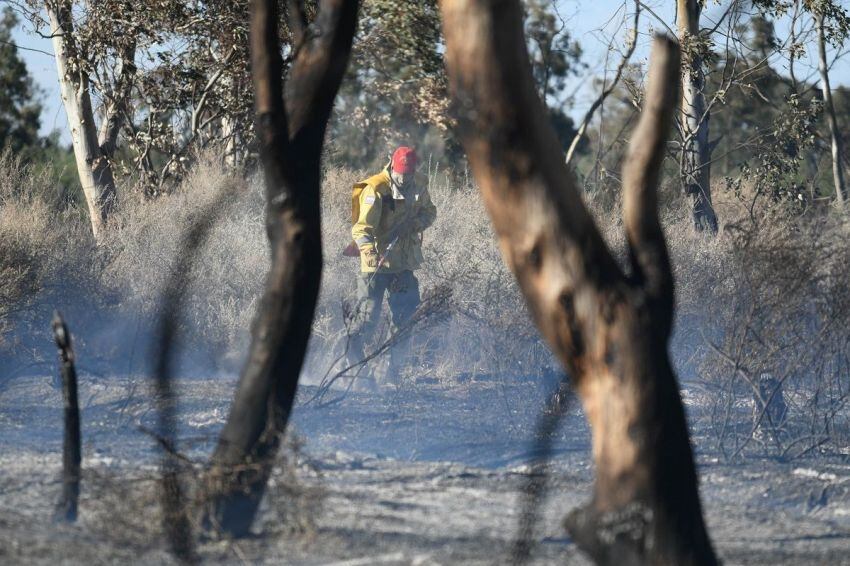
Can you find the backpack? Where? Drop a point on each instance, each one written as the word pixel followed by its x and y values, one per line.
pixel 355 197
pixel 352 250
pixel 355 201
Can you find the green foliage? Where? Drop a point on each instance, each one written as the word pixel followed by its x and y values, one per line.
pixel 835 18
pixel 554 55
pixel 774 169
pixel 396 89
pixel 19 108
pixel 175 74
pixel 835 15
pixel 772 128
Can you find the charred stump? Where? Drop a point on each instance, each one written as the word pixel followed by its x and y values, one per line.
pixel 66 510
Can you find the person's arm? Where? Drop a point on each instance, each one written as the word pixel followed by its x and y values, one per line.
pixel 363 230
pixel 427 213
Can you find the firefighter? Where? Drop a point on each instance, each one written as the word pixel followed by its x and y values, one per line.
pixel 390 212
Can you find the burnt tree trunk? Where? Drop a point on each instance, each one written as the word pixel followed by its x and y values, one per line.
pixel 291 133
pixel 71 446
pixel 609 329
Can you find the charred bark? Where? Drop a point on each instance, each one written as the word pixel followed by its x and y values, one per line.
pixel 291 134
pixel 610 330
pixel 71 445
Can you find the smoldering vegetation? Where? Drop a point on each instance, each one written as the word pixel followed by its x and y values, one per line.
pixel 761 347
pixel 767 301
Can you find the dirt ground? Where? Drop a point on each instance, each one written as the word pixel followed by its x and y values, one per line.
pixel 426 474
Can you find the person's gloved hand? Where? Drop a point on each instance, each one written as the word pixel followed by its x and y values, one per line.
pixel 415 225
pixel 370 258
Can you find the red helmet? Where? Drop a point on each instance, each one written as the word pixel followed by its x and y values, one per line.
pixel 404 160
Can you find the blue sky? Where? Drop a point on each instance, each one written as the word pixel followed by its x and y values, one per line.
pixel 592 22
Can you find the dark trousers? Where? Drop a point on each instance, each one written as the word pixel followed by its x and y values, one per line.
pixel 402 290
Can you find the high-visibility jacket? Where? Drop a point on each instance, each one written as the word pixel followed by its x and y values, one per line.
pixel 386 213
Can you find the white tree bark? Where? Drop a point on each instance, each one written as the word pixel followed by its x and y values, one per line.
pixel 117 102
pixel 696 162
pixel 831 120
pixel 93 167
pixel 232 158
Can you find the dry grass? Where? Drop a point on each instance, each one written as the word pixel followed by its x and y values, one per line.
pixel 226 278
pixel 39 242
pixel 791 270
pixel 121 510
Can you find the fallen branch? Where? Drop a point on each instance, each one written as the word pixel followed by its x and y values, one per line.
pixel 433 306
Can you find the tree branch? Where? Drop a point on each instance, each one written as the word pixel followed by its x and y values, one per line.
pixel 585 122
pixel 641 172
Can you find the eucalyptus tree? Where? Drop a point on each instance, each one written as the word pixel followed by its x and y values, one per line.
pixel 696 151
pixel 145 88
pixel 833 26
pixel 829 22
pixel 396 87
pixel 76 60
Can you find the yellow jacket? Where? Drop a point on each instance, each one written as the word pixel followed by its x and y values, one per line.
pixel 385 213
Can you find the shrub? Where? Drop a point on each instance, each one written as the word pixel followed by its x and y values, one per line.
pixel 39 242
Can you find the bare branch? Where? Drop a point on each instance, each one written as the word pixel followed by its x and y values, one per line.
pixel 21 47
pixel 585 122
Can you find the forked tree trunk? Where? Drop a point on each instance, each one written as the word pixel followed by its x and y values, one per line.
pixel 837 144
pixel 290 138
pixel 93 167
pixel 696 150
pixel 610 330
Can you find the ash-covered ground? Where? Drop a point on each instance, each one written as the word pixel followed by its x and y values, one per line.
pixel 425 474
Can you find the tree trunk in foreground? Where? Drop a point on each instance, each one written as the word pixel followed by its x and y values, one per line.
pixel 290 138
pixel 610 330
pixel 71 445
pixel 93 167
pixel 696 157
pixel 829 110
